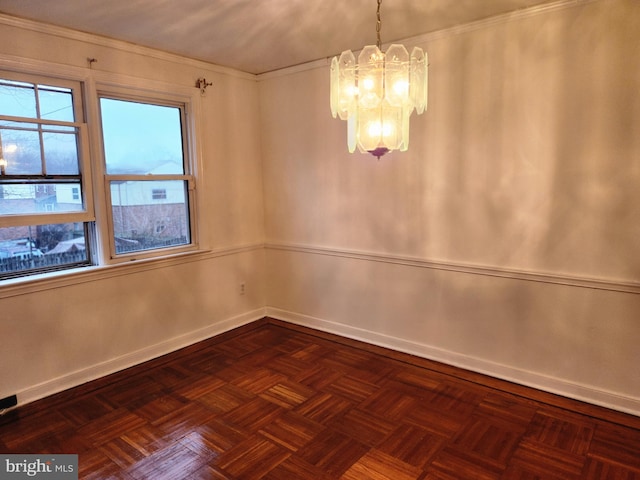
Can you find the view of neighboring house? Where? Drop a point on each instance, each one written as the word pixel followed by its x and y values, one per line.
pixel 32 242
pixel 36 198
pixel 150 211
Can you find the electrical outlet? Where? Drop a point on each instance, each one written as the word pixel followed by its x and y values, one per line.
pixel 242 288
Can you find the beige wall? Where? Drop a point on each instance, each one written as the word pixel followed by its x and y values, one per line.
pixel 57 334
pixel 506 238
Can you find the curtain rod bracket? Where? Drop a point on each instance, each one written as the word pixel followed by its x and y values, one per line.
pixel 202 84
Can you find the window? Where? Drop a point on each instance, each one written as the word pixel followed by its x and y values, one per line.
pixel 159 194
pixel 145 186
pixel 148 180
pixel 43 154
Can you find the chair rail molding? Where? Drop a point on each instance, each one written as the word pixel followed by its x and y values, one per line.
pixel 615 285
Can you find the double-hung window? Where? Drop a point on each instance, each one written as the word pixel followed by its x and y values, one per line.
pixel 69 201
pixel 148 181
pixel 46 204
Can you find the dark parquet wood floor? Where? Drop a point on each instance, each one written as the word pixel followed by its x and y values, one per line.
pixel 273 401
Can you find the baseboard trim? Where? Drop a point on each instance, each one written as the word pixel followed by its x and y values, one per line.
pixel 551 385
pixel 108 367
pixel 548 386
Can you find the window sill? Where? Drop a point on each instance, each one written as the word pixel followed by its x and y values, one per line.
pixel 45 281
pixel 34 283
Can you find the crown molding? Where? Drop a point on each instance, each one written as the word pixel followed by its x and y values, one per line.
pixel 502 19
pixel 98 40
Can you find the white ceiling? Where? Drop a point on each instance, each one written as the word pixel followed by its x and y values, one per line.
pixel 258 36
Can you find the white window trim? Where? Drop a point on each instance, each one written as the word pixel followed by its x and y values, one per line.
pixel 147 91
pixel 75 84
pixel 189 140
pixel 92 81
pixel 85 215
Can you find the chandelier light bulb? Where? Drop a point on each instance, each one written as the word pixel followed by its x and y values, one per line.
pixel 401 88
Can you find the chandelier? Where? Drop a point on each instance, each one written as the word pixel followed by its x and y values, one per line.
pixel 378 94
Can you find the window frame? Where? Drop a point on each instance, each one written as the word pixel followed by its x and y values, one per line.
pixel 98 231
pixel 84 179
pixel 162 98
pixel 84 158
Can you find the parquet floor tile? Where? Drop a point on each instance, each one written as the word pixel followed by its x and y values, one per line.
pixel 218 435
pixel 254 415
pixel 561 432
pixel 294 468
pixel 96 465
pixel 366 427
pixel 506 409
pixel 333 452
pixel 292 430
pixel 604 470
pixel 179 422
pixel 412 445
pixel 175 461
pixel 545 461
pixel 391 404
pixel 225 398
pixel 616 444
pixel 111 426
pixel 323 407
pixel 158 407
pixel 84 410
pixel 130 391
pixel 198 387
pixel 434 420
pixel 353 389
pixel 490 442
pixel 380 466
pixel 276 401
pixel 287 394
pixel 18 433
pixel 145 440
pixel 318 377
pixel 459 463
pixel 252 459
pixel 258 380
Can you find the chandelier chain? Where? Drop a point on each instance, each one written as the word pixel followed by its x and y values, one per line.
pixel 378 25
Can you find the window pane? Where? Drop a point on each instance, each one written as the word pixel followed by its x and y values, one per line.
pixel 21 152
pixel 55 103
pixel 17 99
pixel 39 198
pixel 36 248
pixel 40 173
pixel 140 138
pixel 22 155
pixel 61 153
pixel 149 214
